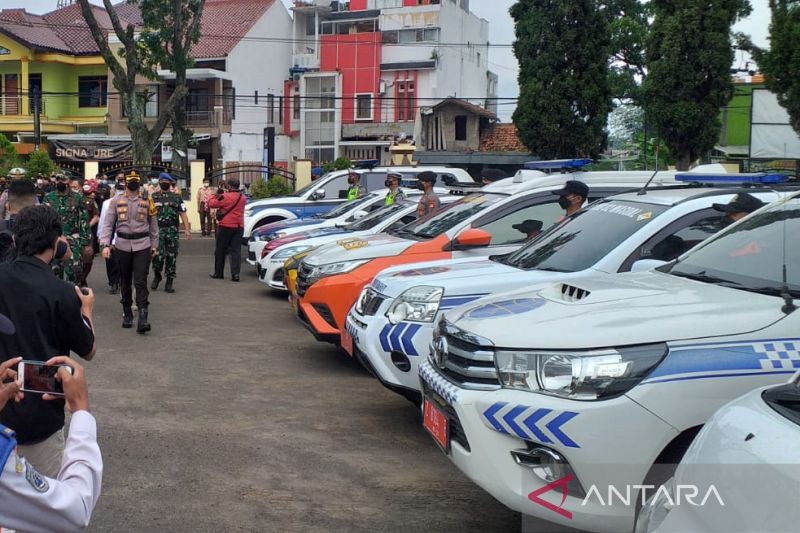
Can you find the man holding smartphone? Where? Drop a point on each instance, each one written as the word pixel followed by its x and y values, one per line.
pixel 31 501
pixel 52 318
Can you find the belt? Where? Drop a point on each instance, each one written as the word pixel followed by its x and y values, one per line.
pixel 132 236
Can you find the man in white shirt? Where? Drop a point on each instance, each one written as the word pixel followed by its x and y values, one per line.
pixel 32 502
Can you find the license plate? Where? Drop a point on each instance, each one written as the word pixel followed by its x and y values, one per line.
pixel 347 342
pixel 435 422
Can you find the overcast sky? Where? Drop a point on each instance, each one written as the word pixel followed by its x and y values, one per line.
pixel 501 60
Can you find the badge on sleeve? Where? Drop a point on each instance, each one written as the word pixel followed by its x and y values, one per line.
pixel 37 481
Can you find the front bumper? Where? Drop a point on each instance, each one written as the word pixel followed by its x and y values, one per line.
pixel 607 443
pixel 391 352
pixel 254 249
pixel 325 304
pixel 272 273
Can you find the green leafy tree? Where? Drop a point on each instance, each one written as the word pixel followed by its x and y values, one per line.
pixel 340 163
pixel 563 49
pixel 259 189
pixel 781 63
pixel 629 23
pixel 8 155
pixel 39 162
pixel 277 186
pixel 689 55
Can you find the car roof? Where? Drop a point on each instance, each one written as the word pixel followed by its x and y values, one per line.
pixel 675 196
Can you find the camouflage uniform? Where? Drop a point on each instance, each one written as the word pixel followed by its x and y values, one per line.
pixel 169 207
pixel 75 220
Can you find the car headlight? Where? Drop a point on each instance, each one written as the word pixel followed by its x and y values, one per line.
pixel 264 237
pixel 417 304
pixel 587 375
pixel 656 508
pixel 290 251
pixel 332 269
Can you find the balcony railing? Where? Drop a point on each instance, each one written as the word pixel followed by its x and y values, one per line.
pixel 208 118
pixel 10 105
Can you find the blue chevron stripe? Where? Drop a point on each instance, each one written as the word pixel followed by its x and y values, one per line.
pixel 555 425
pixel 394 338
pixel 530 423
pixel 509 419
pixel 408 337
pixel 489 416
pixel 384 336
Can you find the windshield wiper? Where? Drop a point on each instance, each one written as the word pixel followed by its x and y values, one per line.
pixel 553 269
pixel 702 276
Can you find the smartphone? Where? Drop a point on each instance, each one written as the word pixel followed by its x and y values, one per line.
pixel 37 377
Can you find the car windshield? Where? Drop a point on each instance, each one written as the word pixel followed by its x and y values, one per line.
pixel 346 207
pixel 448 217
pixel 374 218
pixel 311 186
pixel 585 238
pixel 751 255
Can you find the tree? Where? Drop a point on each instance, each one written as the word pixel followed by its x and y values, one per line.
pixel 276 186
pixel 8 155
pixel 340 163
pixel 563 48
pixel 135 58
pixel 39 162
pixel 170 29
pixel 629 24
pixel 781 63
pixel 689 56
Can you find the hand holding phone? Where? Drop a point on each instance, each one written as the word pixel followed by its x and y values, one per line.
pixel 73 382
pixel 40 378
pixel 9 384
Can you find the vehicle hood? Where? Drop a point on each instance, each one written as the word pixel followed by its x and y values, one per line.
pixel 603 310
pixel 276 227
pixel 353 249
pixel 466 276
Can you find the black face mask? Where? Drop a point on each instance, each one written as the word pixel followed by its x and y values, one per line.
pixel 133 186
pixel 165 186
pixel 421 186
pixel 351 181
pixel 564 202
pixel 62 187
pixel 119 186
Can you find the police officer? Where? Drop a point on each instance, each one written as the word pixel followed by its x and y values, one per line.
pixel 739 207
pixel 429 202
pixel 74 217
pixel 354 191
pixel 31 501
pixel 135 243
pixel 169 207
pixel 572 196
pixel 395 194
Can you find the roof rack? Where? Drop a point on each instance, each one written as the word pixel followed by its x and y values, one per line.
pixel 733 179
pixel 558 164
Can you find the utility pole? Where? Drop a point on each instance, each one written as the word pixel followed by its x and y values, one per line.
pixel 37 117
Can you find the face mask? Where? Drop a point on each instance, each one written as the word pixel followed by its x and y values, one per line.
pixel 420 186
pixel 165 186
pixel 154 182
pixel 564 202
pixel 62 187
pixel 119 186
pixel 351 181
pixel 61 251
pixel 76 189
pixel 206 184
pixel 133 186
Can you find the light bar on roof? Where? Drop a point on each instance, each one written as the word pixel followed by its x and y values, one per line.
pixel 755 178
pixel 558 164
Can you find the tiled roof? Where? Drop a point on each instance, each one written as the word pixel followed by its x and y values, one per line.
pixel 472 108
pixel 224 24
pixel 502 138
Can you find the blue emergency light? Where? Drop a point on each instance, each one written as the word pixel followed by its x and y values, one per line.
pixel 556 164
pixel 733 179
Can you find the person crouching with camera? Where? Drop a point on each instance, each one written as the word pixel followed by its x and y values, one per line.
pixel 229 203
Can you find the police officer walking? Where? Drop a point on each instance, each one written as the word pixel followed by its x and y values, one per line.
pixel 169 208
pixel 74 217
pixel 136 241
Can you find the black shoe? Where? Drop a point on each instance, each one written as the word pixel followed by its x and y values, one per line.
pixel 127 317
pixel 168 286
pixel 234 278
pixel 142 326
pixel 156 281
pixel 113 289
pixel 215 276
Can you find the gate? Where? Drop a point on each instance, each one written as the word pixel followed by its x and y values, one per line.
pixel 151 170
pixel 247 173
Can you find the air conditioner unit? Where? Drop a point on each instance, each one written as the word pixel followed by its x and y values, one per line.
pixel 381 87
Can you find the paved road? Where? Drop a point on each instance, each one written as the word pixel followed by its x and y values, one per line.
pixel 229 416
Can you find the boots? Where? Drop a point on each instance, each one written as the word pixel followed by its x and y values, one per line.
pixel 127 317
pixel 168 286
pixel 114 288
pixel 156 280
pixel 142 326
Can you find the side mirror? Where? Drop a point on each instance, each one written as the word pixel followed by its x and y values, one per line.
pixel 359 214
pixel 472 238
pixel 319 194
pixel 646 264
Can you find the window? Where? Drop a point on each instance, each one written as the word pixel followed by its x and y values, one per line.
pixel 417 35
pixel 336 188
pixel 461 127
pixel 545 210
pixel 363 107
pixel 151 103
pixel 270 109
pixel 92 91
pixel 406 109
pixel 296 107
pixel 34 83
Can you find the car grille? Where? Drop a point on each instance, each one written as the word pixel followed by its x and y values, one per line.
pixel 325 312
pixel 454 426
pixel 304 280
pixel 279 274
pixel 464 359
pixel 371 302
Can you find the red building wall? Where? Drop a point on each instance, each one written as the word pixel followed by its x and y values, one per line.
pixel 358 58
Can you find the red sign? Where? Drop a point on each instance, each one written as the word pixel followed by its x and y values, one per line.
pixel 435 421
pixel 557 484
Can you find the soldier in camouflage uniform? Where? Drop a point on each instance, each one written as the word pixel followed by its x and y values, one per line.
pixel 75 218
pixel 170 208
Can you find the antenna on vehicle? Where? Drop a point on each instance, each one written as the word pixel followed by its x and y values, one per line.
pixel 788 302
pixel 643 190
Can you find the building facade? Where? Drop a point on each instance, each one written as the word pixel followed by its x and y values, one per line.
pixel 365 71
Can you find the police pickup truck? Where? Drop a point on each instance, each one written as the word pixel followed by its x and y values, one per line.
pixel 563 400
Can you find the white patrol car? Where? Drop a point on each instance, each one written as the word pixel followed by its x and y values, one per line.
pixel 392 321
pixel 340 215
pixel 556 397
pixel 323 194
pixel 741 473
pixel 387 218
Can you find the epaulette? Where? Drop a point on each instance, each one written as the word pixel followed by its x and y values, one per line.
pixel 8 443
